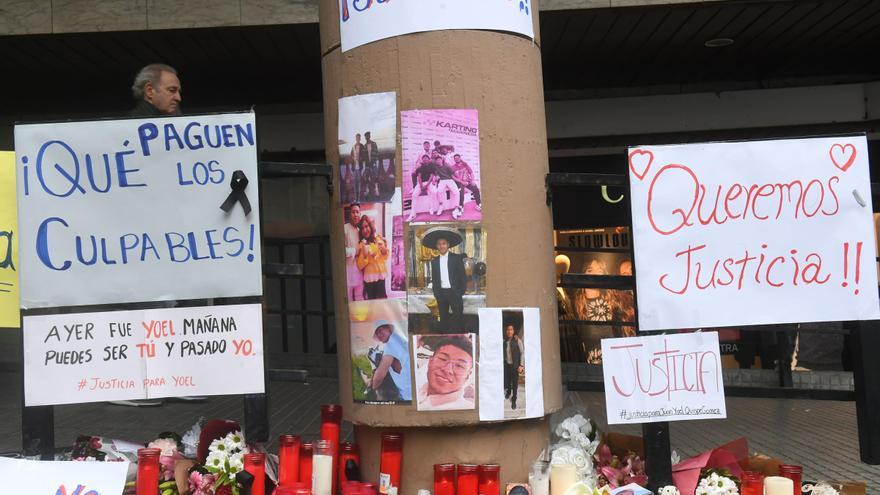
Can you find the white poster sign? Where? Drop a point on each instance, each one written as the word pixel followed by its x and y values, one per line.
pixel 510 388
pixel 759 232
pixel 663 378
pixel 366 21
pixel 94 357
pixel 62 477
pixel 129 210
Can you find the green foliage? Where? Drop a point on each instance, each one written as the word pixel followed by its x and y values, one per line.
pixel 358 364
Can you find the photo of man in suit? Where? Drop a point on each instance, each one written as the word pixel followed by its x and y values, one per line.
pixel 514 363
pixel 448 279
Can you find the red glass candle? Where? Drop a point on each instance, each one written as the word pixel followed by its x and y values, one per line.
pixel 294 489
pixel 468 480
pixel 490 482
pixel 350 487
pixel 331 419
pixel 148 471
pixel 369 489
pixel 347 452
pixel 288 459
pixel 444 479
pixel 390 462
pixel 305 463
pixel 793 473
pixel 752 483
pixel 255 463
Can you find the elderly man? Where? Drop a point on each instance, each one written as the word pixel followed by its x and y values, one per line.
pixel 157 91
pixel 394 362
pixel 448 376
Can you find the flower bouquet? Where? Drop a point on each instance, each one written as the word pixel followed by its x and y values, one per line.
pixel 577 441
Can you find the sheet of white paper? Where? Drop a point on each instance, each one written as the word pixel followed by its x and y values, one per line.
pixel 533 363
pixel 491 365
pixel 115 211
pixel 663 378
pixel 95 357
pixel 55 477
pixel 364 22
pixel 757 232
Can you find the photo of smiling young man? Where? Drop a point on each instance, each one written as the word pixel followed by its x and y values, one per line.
pixel 445 372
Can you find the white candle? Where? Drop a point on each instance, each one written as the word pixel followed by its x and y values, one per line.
pixel 777 485
pixel 322 474
pixel 562 476
pixel 539 481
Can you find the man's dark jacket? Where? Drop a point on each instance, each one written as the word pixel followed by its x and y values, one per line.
pixel 457 278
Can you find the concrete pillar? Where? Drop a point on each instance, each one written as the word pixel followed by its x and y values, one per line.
pixel 499 74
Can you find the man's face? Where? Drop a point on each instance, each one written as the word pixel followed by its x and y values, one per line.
pixel 435 154
pixel 509 331
pixel 165 96
pixel 367 136
pixel 457 158
pixel 354 215
pixel 357 138
pixel 442 245
pixel 383 333
pixel 448 370
pixel 427 146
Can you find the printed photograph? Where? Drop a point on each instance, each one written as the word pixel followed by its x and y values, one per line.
pixel 440 150
pixel 380 357
pixel 446 277
pixel 445 371
pixel 369 251
pixel 514 361
pixel 367 146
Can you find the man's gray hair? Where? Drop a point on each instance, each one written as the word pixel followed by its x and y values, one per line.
pixel 149 74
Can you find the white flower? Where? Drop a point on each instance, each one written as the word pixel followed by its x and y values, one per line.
pixel 580 439
pixel 716 485
pixel 190 440
pixel 218 446
pixel 236 463
pixel 234 441
pixel 675 458
pixel 561 455
pixel 822 489
pixel 668 490
pixel 216 461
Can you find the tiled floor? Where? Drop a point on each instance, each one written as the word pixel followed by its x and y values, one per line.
pixel 819 435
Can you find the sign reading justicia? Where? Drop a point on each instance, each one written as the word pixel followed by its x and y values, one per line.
pixel 365 21
pixel 759 232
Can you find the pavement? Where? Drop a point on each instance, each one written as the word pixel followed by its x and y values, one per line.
pixel 821 436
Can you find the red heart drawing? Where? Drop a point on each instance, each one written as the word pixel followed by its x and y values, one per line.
pixel 640 162
pixel 842 155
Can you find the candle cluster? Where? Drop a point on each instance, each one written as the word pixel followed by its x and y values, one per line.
pixel 467 479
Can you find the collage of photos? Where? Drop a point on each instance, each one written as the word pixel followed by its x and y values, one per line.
pixel 441 165
pixel 445 371
pixel 415 252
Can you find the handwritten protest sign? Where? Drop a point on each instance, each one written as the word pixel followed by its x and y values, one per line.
pixel 92 357
pixel 8 243
pixel 365 21
pixel 130 210
pixel 756 232
pixel 663 378
pixel 62 477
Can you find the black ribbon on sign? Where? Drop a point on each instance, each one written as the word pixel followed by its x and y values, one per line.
pixel 238 183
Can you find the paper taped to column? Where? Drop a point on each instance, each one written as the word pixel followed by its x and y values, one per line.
pixel 366 21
